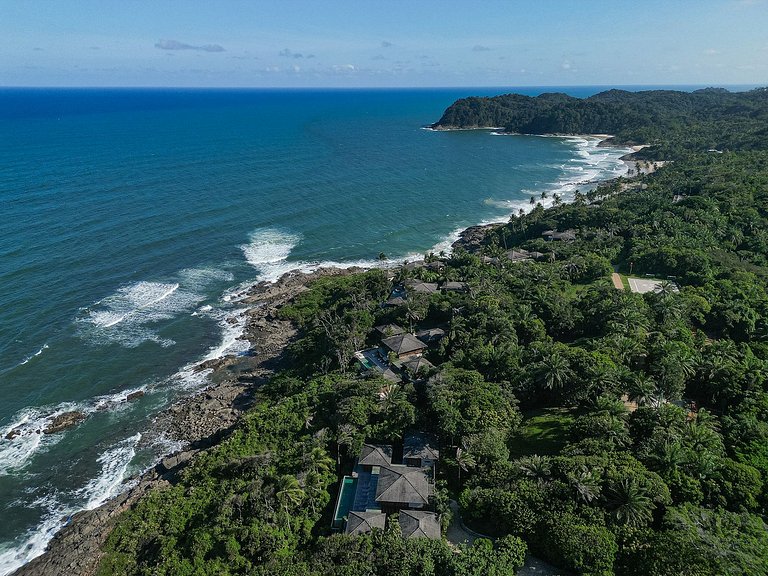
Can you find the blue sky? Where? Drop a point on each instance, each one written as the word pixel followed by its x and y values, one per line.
pixel 390 43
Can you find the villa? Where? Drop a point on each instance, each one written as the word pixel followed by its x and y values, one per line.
pixel 404 345
pixel 567 236
pixel 380 486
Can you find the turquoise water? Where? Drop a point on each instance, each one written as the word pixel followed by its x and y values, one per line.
pixel 132 218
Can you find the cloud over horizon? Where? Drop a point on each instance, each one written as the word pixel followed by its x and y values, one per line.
pixel 176 45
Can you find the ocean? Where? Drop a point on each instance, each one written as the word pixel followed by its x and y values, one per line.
pixel 132 219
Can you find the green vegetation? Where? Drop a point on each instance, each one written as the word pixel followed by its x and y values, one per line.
pixel 528 398
pixel 673 122
pixel 543 431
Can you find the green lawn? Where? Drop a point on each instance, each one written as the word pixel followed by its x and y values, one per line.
pixel 543 432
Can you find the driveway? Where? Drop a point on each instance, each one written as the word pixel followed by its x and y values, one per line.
pixel 459 534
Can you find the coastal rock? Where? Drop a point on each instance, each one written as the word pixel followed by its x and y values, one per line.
pixel 472 238
pixel 212 364
pixel 64 421
pixel 201 420
pixel 134 395
pixel 12 434
pixel 175 460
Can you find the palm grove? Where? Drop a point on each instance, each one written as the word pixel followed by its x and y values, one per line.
pixel 605 431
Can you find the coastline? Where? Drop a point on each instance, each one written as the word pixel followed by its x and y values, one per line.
pixel 199 421
pixel 203 419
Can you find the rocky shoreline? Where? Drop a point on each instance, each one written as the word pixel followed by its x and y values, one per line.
pixel 199 422
pixel 203 419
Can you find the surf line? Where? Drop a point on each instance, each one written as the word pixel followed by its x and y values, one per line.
pixel 163 296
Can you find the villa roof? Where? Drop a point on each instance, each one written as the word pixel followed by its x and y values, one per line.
pixel 395 301
pixel 417 524
pixel 391 375
pixel 517 255
pixel 364 522
pixel 566 236
pixel 455 286
pixel 390 329
pixel 403 484
pixel 403 343
pixel 430 334
pixel 419 364
pixel 418 445
pixel 375 455
pixel 421 287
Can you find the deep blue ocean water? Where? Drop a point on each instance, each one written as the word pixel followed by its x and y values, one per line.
pixel 130 219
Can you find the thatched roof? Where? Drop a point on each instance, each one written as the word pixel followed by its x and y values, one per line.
pixel 421 287
pixel 430 334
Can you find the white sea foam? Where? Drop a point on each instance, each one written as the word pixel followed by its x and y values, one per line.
pixel 28 425
pixel 34 542
pixel 36 354
pixel 591 165
pixel 114 462
pixel 130 315
pixel 268 251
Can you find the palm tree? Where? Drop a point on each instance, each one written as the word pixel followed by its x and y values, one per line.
pixel 629 503
pixel 554 371
pixel 314 487
pixel 391 395
pixel 586 484
pixel 700 437
pixel 535 467
pixel 464 460
pixel 612 407
pixel 289 493
pixel 319 461
pixel 556 199
pixel 667 457
pixel 345 436
pixel 642 389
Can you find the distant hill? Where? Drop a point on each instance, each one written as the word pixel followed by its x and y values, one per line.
pixel 712 118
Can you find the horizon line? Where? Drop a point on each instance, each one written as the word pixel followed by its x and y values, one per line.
pixel 436 87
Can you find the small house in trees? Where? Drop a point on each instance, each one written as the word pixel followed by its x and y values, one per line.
pixel 454 287
pixel 401 486
pixel 387 330
pixel 404 345
pixel 417 365
pixel 418 287
pixel 430 335
pixel 375 455
pixel 365 522
pixel 418 524
pixel 567 236
pixel 420 450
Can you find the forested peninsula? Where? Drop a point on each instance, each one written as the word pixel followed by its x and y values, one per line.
pixel 672 122
pixel 586 383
